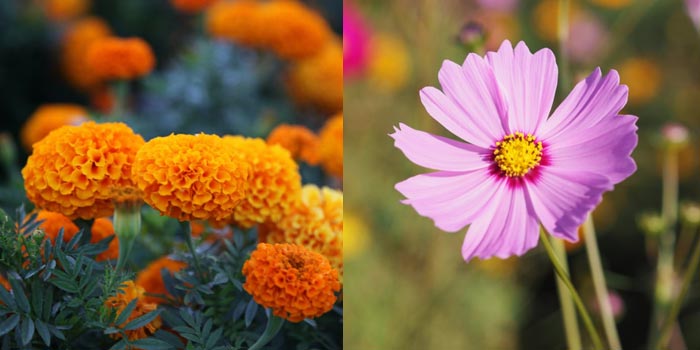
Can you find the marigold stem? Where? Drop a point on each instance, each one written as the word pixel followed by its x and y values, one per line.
pixel 274 324
pixel 127 225
pixel 568 309
pixel 121 94
pixel 564 277
pixel 601 290
pixel 187 228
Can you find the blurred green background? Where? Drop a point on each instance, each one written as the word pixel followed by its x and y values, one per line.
pixel 410 287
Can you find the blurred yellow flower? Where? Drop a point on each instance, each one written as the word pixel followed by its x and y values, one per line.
pixel 151 277
pixel 546 18
pixel 357 239
pixel 318 80
pixel 128 292
pixel 65 10
pixel 612 4
pixel 74 47
pixel 331 146
pixel 389 62
pixel 643 77
pixel 120 58
pixel 301 142
pixel 49 117
pixel 498 267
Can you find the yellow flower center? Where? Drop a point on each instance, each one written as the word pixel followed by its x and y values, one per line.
pixel 517 154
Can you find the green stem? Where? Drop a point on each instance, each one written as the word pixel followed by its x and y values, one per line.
pixel 274 324
pixel 563 34
pixel 121 94
pixel 563 276
pixel 187 228
pixel 663 290
pixel 667 327
pixel 127 225
pixel 568 309
pixel 601 289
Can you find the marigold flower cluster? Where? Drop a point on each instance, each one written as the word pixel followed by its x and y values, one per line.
pixel 316 222
pixel 318 80
pixel 101 228
pixel 49 117
pixel 191 177
pixel 274 185
pixel 301 142
pixel 288 28
pixel 331 146
pixel 294 282
pixel 120 58
pixel 128 292
pixel 151 277
pixel 74 47
pixel 77 170
pixel 191 6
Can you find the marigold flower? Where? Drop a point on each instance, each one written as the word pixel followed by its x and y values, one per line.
pixel 74 47
pixel 237 21
pixel 331 146
pixel 49 117
pixel 519 168
pixel 293 30
pixel 301 142
pixel 118 58
pixel 101 229
pixel 191 6
pixel 128 292
pixel 318 80
pixel 274 184
pixel 315 222
pixel 64 10
pixel 191 177
pixel 295 282
pixel 79 170
pixel 151 278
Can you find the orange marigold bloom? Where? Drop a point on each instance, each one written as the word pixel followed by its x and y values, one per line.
pixel 79 170
pixel 128 292
pixel 191 6
pixel 301 142
pixel 293 30
pixel 318 80
pixel 331 149
pixel 151 278
pixel 274 184
pixel 64 10
pixel 237 21
pixel 101 229
pixel 119 58
pixel 49 117
pixel 295 282
pixel 316 222
pixel 74 47
pixel 191 177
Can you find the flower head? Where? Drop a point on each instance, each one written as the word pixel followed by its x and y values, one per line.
pixel 191 6
pixel 301 142
pixel 356 34
pixel 79 170
pixel 692 7
pixel 192 177
pixel 49 117
pixel 318 80
pixel 518 168
pixel 315 222
pixel 274 184
pixel 118 58
pixel 295 282
pixel 74 47
pixel 298 32
pixel 331 146
pixel 128 292
pixel 237 21
pixel 64 10
pixel 151 277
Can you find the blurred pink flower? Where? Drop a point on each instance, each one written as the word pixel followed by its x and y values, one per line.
pixel 588 38
pixel 693 7
pixel 518 169
pixel 617 304
pixel 356 35
pixel 499 5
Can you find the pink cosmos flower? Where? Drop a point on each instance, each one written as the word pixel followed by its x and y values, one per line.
pixel 356 38
pixel 693 9
pixel 518 168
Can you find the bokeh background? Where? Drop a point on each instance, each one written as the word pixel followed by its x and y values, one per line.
pixel 411 289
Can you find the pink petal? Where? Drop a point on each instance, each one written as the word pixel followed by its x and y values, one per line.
pixel 604 148
pixel 440 153
pixel 562 199
pixel 527 82
pixel 506 227
pixel 451 199
pixel 473 88
pixel 592 100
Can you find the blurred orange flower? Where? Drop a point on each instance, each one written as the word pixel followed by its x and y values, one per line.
pixel 151 278
pixel 128 292
pixel 295 282
pixel 64 10
pixel 294 31
pixel 318 80
pixel 331 146
pixel 101 229
pixel 74 47
pixel 237 21
pixel 389 62
pixel 118 58
pixel 191 6
pixel 301 142
pixel 643 77
pixel 48 117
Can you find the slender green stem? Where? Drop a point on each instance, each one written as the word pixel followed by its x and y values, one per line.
pixel 187 228
pixel 274 324
pixel 684 243
pixel 563 34
pixel 563 276
pixel 601 289
pixel 667 327
pixel 127 225
pixel 121 95
pixel 568 309
pixel 663 290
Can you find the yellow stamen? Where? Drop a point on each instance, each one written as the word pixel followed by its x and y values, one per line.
pixel 517 154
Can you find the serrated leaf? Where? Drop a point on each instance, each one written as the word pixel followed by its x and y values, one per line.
pixel 214 338
pixel 151 344
pixel 57 332
pixel 184 329
pixel 9 324
pixel 43 331
pixel 188 318
pixel 68 286
pixel 124 315
pixel 239 310
pixel 250 312
pixel 119 345
pixel 7 298
pixel 142 320
pixel 238 240
pixel 18 292
pixel 206 329
pixel 48 303
pixel 191 337
pixel 169 338
pixel 27 329
pixel 37 297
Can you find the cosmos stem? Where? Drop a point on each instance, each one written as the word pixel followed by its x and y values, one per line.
pixel 601 290
pixel 564 277
pixel 568 310
pixel 127 225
